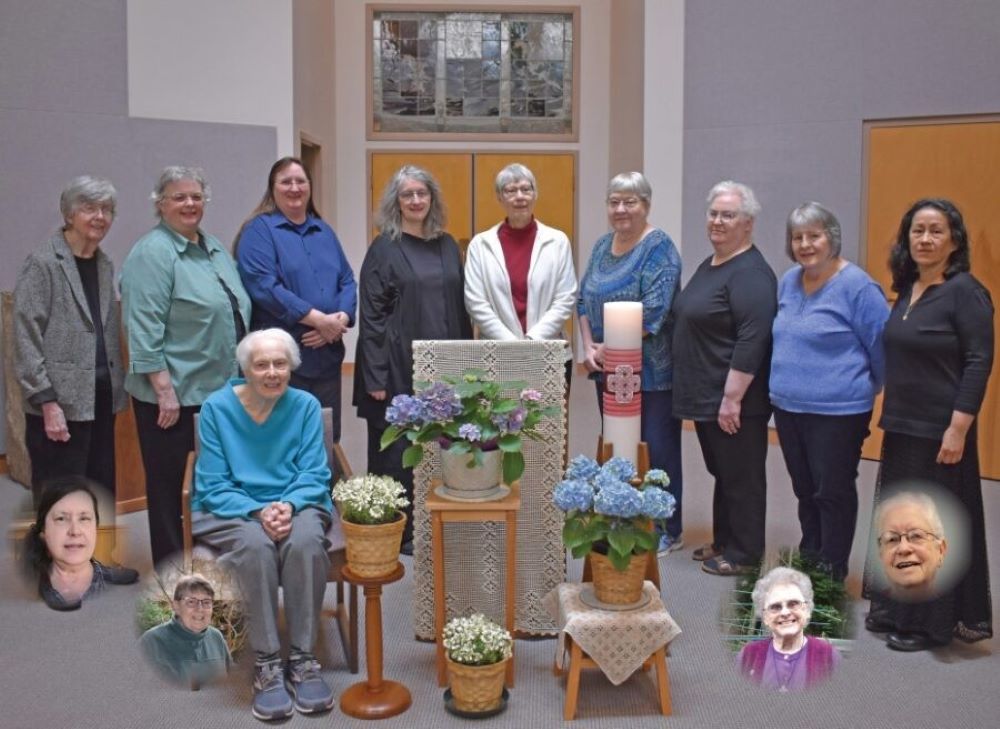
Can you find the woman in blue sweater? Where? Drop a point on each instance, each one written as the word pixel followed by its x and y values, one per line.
pixel 826 368
pixel 262 498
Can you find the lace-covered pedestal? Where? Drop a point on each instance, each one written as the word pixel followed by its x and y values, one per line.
pixel 475 552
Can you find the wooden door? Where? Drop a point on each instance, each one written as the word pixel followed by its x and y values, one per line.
pixel 453 172
pixel 957 160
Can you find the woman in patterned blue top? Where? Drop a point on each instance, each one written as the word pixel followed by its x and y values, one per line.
pixel 637 262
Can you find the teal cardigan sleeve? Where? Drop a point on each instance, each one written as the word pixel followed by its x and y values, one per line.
pixel 311 484
pixel 216 489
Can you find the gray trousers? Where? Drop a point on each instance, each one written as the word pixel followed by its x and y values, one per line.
pixel 298 564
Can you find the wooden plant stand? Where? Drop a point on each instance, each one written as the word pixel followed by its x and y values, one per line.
pixel 375 698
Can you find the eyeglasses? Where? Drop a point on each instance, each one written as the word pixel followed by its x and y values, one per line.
pixel 916 538
pixel 95 209
pixel 414 195
pixel 181 197
pixel 629 203
pixel 776 607
pixel 194 602
pixel 297 181
pixel 726 216
pixel 513 190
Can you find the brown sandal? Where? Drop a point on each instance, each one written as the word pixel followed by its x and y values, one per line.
pixel 706 551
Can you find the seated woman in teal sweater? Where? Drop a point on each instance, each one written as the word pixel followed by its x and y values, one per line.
pixel 262 499
pixel 188 648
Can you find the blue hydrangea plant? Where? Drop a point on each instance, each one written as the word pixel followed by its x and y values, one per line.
pixel 606 513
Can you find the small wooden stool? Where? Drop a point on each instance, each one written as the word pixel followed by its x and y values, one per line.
pixel 444 510
pixel 619 641
pixel 579 660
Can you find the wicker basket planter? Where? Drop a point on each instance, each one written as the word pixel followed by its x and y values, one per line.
pixel 373 549
pixel 618 587
pixel 476 688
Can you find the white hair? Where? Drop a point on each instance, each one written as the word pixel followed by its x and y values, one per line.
pixel 748 201
pixel 252 341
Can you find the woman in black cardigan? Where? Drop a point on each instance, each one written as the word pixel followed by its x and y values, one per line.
pixel 939 353
pixel 411 287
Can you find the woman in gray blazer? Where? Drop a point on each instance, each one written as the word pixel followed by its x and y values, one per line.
pixel 66 326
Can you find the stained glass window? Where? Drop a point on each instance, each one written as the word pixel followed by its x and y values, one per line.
pixel 480 73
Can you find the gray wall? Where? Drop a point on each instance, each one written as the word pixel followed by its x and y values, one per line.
pixel 776 92
pixel 64 112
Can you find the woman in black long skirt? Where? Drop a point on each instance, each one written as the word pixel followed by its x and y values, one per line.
pixel 939 353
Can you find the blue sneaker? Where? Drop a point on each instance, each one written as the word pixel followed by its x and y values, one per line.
pixel 307 686
pixel 271 701
pixel 669 544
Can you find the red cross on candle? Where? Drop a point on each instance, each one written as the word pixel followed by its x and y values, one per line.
pixel 624 383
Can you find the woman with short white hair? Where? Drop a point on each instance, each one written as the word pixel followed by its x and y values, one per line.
pixel 519 277
pixel 262 498
pixel 787 660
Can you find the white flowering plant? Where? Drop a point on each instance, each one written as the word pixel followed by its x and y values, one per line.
pixel 476 641
pixel 370 499
pixel 606 513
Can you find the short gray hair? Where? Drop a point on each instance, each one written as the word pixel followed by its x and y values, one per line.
pixel 248 345
pixel 514 172
pixel 87 189
pixel 748 201
pixel 812 213
pixel 634 182
pixel 189 584
pixel 916 498
pixel 390 217
pixel 175 173
pixel 777 577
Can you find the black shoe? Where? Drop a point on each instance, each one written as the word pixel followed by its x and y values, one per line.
pixel 908 642
pixel 878 624
pixel 407 549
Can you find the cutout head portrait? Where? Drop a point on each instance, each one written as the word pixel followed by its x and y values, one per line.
pixel 919 540
pixel 787 660
pixel 188 649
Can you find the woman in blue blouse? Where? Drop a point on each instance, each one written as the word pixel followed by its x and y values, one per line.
pixel 637 262
pixel 826 369
pixel 299 280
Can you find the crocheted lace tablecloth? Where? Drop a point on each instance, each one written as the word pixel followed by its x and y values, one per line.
pixel 619 641
pixel 474 552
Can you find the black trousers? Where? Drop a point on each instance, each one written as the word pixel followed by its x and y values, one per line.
pixel 327 391
pixel 822 454
pixel 164 454
pixel 739 504
pixel 90 450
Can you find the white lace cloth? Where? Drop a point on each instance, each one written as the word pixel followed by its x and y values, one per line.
pixel 475 564
pixel 619 641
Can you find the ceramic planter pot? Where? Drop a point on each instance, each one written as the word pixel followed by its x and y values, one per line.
pixel 472 483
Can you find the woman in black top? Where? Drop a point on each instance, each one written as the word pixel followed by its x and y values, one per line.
pixel 722 354
pixel 939 353
pixel 411 287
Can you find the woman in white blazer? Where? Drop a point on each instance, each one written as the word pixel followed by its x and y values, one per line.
pixel 520 282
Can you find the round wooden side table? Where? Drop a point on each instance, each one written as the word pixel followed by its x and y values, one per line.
pixel 375 698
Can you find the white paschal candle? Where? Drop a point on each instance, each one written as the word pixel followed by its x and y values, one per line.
pixel 622 377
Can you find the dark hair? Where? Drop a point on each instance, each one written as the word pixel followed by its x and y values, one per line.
pixel 901 264
pixel 37 559
pixel 267 203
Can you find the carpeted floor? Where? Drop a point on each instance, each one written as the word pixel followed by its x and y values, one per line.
pixel 83 669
